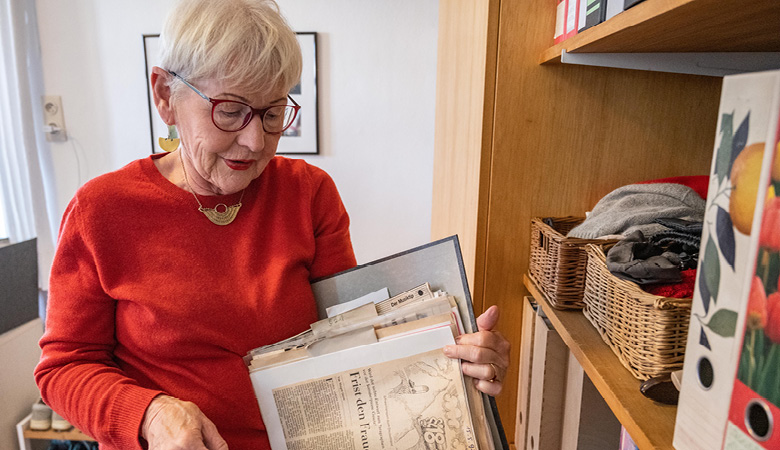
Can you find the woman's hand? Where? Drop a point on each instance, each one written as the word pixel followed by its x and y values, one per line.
pixel 485 354
pixel 173 424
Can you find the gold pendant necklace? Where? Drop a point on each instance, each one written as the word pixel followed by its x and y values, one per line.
pixel 217 217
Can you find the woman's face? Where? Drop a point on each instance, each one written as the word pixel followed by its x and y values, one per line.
pixel 219 162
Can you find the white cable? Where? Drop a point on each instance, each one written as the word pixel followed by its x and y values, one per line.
pixel 77 154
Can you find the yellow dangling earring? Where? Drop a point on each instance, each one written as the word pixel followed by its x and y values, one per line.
pixel 170 143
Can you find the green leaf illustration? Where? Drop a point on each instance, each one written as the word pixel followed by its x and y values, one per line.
pixel 711 268
pixel 744 363
pixel 722 165
pixel 703 341
pixel 725 230
pixel 723 322
pixel 767 372
pixel 704 294
pixel 740 139
pixel 772 273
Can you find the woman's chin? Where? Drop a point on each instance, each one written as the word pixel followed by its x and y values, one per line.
pixel 236 182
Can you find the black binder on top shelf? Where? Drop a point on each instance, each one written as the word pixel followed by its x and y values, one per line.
pixel 439 263
pixel 595 13
pixel 629 3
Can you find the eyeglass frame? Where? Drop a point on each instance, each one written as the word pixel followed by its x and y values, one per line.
pixel 252 111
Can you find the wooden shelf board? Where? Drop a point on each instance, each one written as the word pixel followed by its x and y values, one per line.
pixel 650 424
pixel 663 26
pixel 71 435
pixel 74 434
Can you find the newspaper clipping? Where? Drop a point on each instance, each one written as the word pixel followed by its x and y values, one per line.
pixel 413 403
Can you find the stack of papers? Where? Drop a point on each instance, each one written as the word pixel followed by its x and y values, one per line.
pixel 372 373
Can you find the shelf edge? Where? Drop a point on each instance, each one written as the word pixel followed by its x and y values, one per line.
pixel 709 64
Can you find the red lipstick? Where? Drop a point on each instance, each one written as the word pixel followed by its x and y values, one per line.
pixel 239 164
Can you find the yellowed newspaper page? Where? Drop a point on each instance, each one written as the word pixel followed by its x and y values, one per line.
pixel 419 293
pixel 398 394
pixel 413 403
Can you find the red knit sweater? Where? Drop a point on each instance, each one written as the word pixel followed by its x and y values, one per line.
pixel 147 296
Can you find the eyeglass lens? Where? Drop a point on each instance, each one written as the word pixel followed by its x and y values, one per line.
pixel 232 116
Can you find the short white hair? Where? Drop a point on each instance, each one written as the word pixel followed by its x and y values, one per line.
pixel 244 43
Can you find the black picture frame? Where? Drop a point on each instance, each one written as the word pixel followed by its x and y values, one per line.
pixel 157 128
pixel 302 138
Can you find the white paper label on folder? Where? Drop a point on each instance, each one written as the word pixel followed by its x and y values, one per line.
pixel 560 14
pixel 571 17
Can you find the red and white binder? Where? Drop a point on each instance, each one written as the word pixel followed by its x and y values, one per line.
pixel 754 413
pixel 733 253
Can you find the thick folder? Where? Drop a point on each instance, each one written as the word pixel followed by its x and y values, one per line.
pixel 588 423
pixel 526 367
pixel 439 263
pixel 548 384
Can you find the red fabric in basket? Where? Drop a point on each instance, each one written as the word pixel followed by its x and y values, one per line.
pixel 683 289
pixel 699 183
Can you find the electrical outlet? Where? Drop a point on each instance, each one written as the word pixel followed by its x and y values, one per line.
pixel 54 119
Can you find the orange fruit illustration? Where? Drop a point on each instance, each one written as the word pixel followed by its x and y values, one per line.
pixel 745 174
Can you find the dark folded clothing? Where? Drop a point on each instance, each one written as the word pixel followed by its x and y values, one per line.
pixel 689 227
pixel 668 239
pixel 638 260
pixel 682 237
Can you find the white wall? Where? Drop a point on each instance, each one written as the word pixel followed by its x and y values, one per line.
pixel 377 67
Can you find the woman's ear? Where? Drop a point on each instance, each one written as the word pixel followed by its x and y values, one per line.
pixel 162 95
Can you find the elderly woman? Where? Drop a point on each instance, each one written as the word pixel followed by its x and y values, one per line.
pixel 169 270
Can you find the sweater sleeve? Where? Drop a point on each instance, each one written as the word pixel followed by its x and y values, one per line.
pixel 333 246
pixel 77 374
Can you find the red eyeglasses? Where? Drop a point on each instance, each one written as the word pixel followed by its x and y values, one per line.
pixel 231 115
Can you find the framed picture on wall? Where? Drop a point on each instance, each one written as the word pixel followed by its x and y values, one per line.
pixel 158 128
pixel 302 137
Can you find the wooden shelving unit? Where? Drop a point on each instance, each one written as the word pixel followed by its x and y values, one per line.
pixel 520 136
pixel 650 424
pixel 25 434
pixel 666 26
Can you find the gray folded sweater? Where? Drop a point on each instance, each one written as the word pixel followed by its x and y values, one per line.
pixel 636 206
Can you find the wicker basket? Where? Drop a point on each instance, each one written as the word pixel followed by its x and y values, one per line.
pixel 557 263
pixel 648 333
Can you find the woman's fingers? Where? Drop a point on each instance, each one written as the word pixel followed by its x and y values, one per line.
pixel 484 355
pixel 173 424
pixel 492 340
pixel 211 436
pixel 488 372
pixel 488 378
pixel 492 388
pixel 488 319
